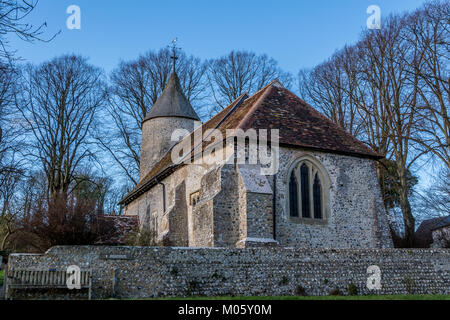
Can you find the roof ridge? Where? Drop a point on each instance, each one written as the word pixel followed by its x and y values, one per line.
pixel 274 82
pixel 236 103
pixel 265 92
pixel 232 105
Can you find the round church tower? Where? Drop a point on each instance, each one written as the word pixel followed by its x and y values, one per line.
pixel 170 112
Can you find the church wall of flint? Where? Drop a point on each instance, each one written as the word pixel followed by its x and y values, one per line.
pixel 259 216
pixel 356 216
pixel 166 224
pixel 139 272
pixel 225 212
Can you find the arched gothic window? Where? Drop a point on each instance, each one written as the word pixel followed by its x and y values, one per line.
pixel 306 191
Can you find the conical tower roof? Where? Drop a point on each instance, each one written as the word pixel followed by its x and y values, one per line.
pixel 172 102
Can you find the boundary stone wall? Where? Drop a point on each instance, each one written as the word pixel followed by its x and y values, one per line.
pixel 138 272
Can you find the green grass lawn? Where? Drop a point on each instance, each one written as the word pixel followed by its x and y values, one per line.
pixel 377 297
pixel 2 275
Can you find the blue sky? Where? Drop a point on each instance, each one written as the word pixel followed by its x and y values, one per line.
pixel 298 34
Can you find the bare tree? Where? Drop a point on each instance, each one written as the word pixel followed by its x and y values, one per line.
pixel 59 102
pixel 332 87
pixel 435 200
pixel 136 85
pixel 241 71
pixel 9 210
pixel 428 31
pixel 92 187
pixel 372 102
pixel 11 170
pixel 8 132
pixel 392 88
pixel 398 89
pixel 13 14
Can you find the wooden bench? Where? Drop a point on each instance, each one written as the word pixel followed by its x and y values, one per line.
pixel 43 279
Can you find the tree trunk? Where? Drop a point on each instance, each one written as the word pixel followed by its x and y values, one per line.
pixel 408 218
pixel 5 238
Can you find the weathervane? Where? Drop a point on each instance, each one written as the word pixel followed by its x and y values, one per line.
pixel 174 57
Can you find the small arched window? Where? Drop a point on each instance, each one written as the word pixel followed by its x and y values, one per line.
pixel 306 191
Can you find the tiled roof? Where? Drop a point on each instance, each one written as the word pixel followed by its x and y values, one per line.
pixel 445 222
pixel 301 125
pixel 273 107
pixel 424 233
pixel 428 226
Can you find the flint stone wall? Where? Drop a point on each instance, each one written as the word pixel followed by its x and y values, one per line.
pixel 138 272
pixel 236 203
pixel 356 217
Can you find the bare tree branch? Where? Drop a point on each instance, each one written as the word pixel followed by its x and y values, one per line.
pixel 59 101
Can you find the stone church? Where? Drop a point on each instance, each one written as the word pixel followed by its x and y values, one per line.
pixel 324 193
